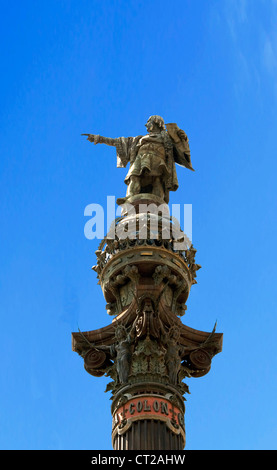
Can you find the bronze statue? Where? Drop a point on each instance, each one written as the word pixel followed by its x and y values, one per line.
pixel 174 352
pixel 121 350
pixel 152 158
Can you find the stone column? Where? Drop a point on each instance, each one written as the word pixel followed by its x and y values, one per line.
pixel 146 349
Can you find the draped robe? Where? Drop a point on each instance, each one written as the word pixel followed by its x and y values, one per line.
pixel 176 150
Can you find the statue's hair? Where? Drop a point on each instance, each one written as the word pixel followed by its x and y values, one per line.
pixel 118 328
pixel 157 120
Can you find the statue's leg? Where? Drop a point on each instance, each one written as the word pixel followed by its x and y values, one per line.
pixel 134 186
pixel 158 187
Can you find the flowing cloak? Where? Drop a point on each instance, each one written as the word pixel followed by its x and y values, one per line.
pixel 176 151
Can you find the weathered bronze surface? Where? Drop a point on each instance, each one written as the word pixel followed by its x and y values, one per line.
pixel 152 158
pixel 146 350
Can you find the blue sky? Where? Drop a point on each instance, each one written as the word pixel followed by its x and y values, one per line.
pixel 104 67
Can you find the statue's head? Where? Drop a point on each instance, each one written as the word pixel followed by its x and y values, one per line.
pixel 120 332
pixel 148 306
pixel 155 122
pixel 174 332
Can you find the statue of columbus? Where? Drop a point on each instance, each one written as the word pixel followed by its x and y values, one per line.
pixel 152 158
